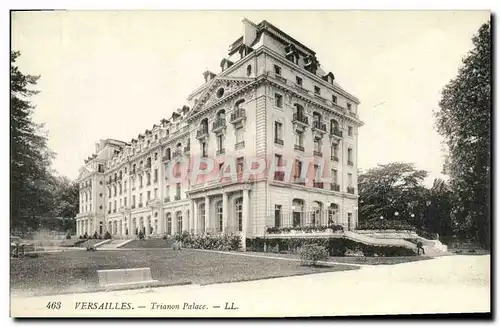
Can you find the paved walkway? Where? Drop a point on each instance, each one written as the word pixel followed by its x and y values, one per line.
pixel 442 285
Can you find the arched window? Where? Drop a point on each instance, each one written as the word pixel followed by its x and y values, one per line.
pixel 179 222
pixel 148 162
pixel 238 204
pixel 239 103
pixel 133 168
pixel 204 125
pixel 249 70
pixel 316 117
pixel 219 216
pixel 169 223
pixel 299 110
pixel 332 212
pixel 167 154
pixel 316 213
pixel 298 212
pixel 221 115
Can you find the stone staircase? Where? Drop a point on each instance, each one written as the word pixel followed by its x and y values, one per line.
pixel 113 244
pixel 356 237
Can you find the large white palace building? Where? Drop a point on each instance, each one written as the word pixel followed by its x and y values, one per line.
pixel 271 100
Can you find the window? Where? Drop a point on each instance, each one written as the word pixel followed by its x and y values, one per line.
pixel 299 138
pixel 239 165
pixel 156 175
pixel 156 153
pixel 349 179
pixel 278 100
pixel 169 224
pixel 179 222
pixel 125 201
pixel 148 196
pixel 125 186
pixel 277 70
pixel 167 191
pixel 204 149
pixel 101 168
pixel 201 216
pixel 298 80
pixel 239 213
pixel 133 200
pixel 239 134
pixel 178 190
pixel 220 142
pixel 249 70
pixel 140 180
pixel 335 176
pixel 335 152
pixel 148 177
pixel 349 130
pixel 317 145
pixel 297 169
pixel 278 130
pixel 349 156
pixel 125 170
pixel 277 215
pixel 156 193
pixel 317 90
pixel 334 99
pixel 140 198
pixel 349 107
pixel 100 195
pixel 220 218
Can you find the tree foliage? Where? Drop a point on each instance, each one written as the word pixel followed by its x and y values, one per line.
pixel 30 158
pixel 398 188
pixel 464 122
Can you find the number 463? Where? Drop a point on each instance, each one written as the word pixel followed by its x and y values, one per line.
pixel 54 305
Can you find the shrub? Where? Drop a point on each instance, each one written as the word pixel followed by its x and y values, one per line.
pixel 80 237
pixel 210 242
pixel 96 236
pixel 385 224
pixel 68 237
pixel 85 236
pixel 312 253
pixel 141 235
pixel 107 236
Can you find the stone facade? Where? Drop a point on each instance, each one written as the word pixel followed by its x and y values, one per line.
pixel 271 98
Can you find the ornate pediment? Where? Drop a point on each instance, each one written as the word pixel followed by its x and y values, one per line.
pixel 219 89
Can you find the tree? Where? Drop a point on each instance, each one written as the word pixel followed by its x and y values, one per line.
pixel 30 158
pixel 464 122
pixel 390 188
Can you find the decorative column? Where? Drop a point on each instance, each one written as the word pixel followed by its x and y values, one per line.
pixel 207 212
pixel 246 206
pixel 147 223
pixel 191 216
pixel 195 216
pixel 224 212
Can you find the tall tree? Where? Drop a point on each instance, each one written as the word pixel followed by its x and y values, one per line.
pixel 464 122
pixel 30 159
pixel 390 188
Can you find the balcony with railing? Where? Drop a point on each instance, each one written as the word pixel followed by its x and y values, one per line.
pixel 350 163
pixel 300 119
pixel 334 158
pixel 280 78
pixel 221 151
pixel 298 147
pixel 301 89
pixel 165 158
pixel 202 132
pixel 238 115
pixel 218 125
pixel 318 184
pixel 176 153
pixel 166 199
pixel 318 153
pixel 278 141
pixel 319 126
pixel 336 132
pixel 140 205
pixel 350 189
pixel 239 145
pixel 279 176
pixel 335 187
pixel 177 197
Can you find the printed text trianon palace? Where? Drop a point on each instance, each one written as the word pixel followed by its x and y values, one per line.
pixel 271 100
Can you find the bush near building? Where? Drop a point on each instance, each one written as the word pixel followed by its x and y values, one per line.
pixel 336 247
pixel 210 242
pixel 310 254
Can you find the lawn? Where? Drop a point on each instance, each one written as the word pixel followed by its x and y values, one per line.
pixel 352 260
pixel 76 271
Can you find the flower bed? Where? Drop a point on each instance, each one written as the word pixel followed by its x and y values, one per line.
pixel 305 229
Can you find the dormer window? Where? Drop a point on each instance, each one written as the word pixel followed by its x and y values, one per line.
pixel 334 99
pixel 298 80
pixel 349 107
pixel 249 70
pixel 317 90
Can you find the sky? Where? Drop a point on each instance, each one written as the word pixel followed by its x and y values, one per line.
pixel 108 74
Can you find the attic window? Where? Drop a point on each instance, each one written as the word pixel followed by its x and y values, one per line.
pixel 249 70
pixel 220 92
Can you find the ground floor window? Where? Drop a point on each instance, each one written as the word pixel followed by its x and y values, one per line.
pixel 169 224
pixel 201 216
pixel 179 222
pixel 277 215
pixel 239 213
pixel 219 215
